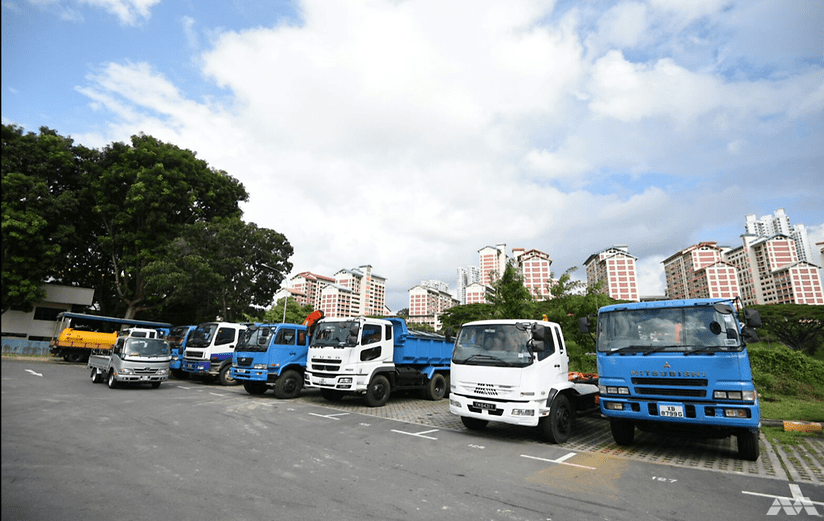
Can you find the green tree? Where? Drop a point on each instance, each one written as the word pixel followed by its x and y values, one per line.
pixel 44 226
pixel 509 297
pixel 295 312
pixel 224 268
pixel 144 195
pixel 454 317
pixel 799 326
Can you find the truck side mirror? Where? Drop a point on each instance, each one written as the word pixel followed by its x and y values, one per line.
pixel 583 324
pixel 752 318
pixel 352 339
pixel 538 340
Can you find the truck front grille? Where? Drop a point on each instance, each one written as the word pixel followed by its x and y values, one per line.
pixel 485 390
pixel 244 361
pixel 663 391
pixel 319 364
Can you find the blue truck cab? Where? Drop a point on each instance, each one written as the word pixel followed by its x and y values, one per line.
pixel 678 367
pixel 272 356
pixel 178 337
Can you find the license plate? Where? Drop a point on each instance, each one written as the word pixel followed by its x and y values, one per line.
pixel 482 405
pixel 671 411
pixel 144 378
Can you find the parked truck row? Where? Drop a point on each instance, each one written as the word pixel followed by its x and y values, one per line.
pixel 673 367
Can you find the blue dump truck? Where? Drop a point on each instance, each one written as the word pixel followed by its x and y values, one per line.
pixel 178 337
pixel 375 357
pixel 678 367
pixel 272 356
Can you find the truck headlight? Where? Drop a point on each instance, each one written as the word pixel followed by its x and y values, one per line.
pixel 345 380
pixel 126 370
pixel 523 412
pixel 162 372
pixel 611 389
pixel 259 366
pixel 613 406
pixel 747 396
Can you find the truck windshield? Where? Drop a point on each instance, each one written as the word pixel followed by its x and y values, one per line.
pixel 337 334
pixel 144 347
pixel 202 335
pixel 256 339
pixel 493 345
pixel 687 329
pixel 177 335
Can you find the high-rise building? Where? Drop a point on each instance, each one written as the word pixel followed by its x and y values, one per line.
pixel 492 260
pixel 700 271
pixel 536 269
pixel 770 272
pixel 349 293
pixel 779 224
pixel 428 300
pixel 305 287
pixel 466 276
pixel 615 268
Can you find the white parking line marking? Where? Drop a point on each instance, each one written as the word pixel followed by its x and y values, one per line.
pixel 418 434
pixel 330 416
pixel 560 461
pixel 218 394
pixel 795 490
pixel 35 374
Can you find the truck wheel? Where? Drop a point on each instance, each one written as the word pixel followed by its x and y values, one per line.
pixel 155 385
pixel 436 387
pixel 96 376
pixel 180 374
pixel 748 447
pixel 332 395
pixel 623 431
pixel 473 424
pixel 112 381
pixel 289 384
pixel 255 387
pixel 557 427
pixel 225 375
pixel 75 357
pixel 377 393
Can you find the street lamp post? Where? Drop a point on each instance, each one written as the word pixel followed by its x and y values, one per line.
pixel 285 300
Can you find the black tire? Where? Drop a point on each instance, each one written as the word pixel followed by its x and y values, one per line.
pixel 623 431
pixel 748 447
pixel 435 388
pixel 255 388
pixel 289 384
pixel 180 374
pixel 75 357
pixel 225 375
pixel 557 427
pixel 377 393
pixel 112 381
pixel 95 376
pixel 155 385
pixel 473 424
pixel 332 395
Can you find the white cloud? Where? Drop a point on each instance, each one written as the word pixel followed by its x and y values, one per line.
pixel 409 135
pixel 129 12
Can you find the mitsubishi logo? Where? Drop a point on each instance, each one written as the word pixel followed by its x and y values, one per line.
pixel 666 365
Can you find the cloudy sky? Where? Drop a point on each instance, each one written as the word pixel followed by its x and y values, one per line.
pixel 409 134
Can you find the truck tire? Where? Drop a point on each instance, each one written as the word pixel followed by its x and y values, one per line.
pixel 623 431
pixel 473 424
pixel 557 427
pixel 436 387
pixel 255 388
pixel 180 374
pixel 377 393
pixel 748 446
pixel 289 384
pixel 75 357
pixel 112 381
pixel 96 376
pixel 225 375
pixel 155 385
pixel 332 395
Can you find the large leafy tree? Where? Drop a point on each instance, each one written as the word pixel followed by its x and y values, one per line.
pixel 798 326
pixel 144 195
pixel 45 232
pixel 224 268
pixel 509 297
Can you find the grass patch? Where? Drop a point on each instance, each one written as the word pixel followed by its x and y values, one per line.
pixel 779 435
pixel 792 409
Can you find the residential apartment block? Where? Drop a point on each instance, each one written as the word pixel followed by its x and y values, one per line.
pixel 350 293
pixel 615 269
pixel 779 224
pixel 536 269
pixel 700 271
pixel 428 300
pixel 492 261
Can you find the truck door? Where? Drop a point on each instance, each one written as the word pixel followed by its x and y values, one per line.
pixel 225 335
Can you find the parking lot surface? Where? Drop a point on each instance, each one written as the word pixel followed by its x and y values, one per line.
pixel 802 463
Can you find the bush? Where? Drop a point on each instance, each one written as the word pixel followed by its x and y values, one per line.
pixel 779 370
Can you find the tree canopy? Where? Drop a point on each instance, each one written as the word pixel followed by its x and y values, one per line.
pixel 799 326
pixel 154 230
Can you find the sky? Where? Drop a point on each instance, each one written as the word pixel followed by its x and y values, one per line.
pixel 409 134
